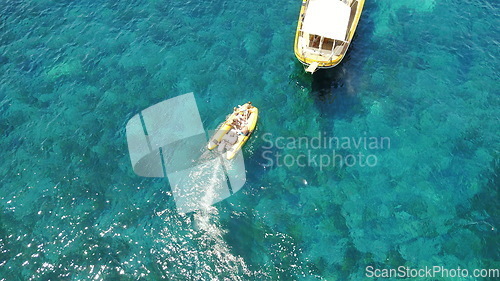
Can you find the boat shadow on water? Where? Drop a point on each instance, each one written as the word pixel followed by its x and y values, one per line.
pixel 335 92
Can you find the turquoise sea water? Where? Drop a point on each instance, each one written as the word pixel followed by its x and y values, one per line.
pixel 422 73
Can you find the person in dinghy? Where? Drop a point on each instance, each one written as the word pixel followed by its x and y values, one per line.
pixel 235 131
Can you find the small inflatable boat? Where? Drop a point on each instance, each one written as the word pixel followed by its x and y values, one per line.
pixel 233 133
